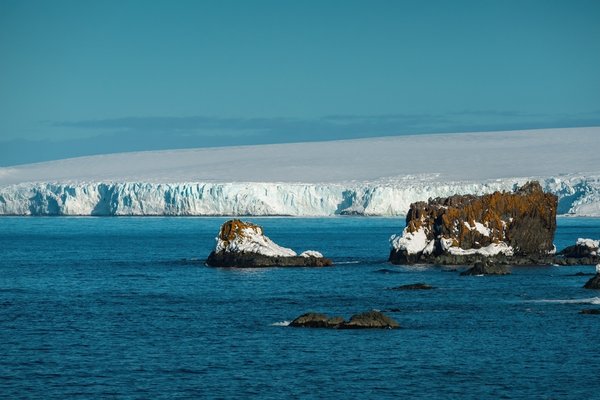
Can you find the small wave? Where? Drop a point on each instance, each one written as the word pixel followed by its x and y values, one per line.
pixel 346 262
pixel 590 300
pixel 281 323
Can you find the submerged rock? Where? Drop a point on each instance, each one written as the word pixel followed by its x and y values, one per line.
pixel 593 311
pixel 414 286
pixel 594 282
pixel 366 320
pixel 244 245
pixel 486 268
pixel 516 228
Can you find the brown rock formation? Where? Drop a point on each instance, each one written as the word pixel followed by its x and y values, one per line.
pixel 525 220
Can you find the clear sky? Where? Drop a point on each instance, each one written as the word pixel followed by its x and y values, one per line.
pixel 86 77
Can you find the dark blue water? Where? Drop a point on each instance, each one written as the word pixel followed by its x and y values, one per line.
pixel 104 308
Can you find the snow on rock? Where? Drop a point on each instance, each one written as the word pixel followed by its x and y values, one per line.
pixel 411 242
pixel 311 253
pixel 592 244
pixel 490 250
pixel 236 236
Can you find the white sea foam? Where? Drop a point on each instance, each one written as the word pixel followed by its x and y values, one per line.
pixel 281 323
pixel 590 300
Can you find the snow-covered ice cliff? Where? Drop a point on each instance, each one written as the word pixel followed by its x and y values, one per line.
pixel 380 176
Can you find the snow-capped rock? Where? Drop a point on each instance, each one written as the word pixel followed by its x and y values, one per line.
pixel 244 244
pixel 236 236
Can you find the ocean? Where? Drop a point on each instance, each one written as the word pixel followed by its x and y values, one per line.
pixel 125 308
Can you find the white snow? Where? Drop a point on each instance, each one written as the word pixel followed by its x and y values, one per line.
pixel 479 227
pixel 252 240
pixel 598 268
pixel 311 253
pixel 376 176
pixel 593 245
pixel 590 243
pixel 490 250
pixel 411 242
pixel 416 242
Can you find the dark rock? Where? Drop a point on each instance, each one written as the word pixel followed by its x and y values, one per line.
pixel 593 283
pixel 370 320
pixel 486 268
pixel 524 220
pixel 582 274
pixel 316 320
pixel 594 311
pixel 255 260
pixel 366 320
pixel 583 248
pixel 413 286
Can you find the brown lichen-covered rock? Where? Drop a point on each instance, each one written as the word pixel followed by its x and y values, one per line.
pixel 464 228
pixel 244 245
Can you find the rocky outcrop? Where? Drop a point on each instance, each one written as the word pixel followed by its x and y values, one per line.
pixel 367 320
pixel 582 248
pixel 316 320
pixel 486 268
pixel 594 282
pixel 583 252
pixel 515 227
pixel 590 311
pixel 244 245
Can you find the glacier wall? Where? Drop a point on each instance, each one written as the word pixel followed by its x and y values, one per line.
pixel 578 195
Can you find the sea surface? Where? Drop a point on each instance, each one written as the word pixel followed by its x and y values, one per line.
pixel 125 308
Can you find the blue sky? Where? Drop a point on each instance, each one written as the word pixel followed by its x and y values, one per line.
pixel 83 77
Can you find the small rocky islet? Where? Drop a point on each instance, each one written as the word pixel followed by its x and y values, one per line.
pixel 507 228
pixel 244 245
pixel 367 320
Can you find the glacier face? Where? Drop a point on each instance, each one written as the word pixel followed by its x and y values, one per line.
pixel 578 195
